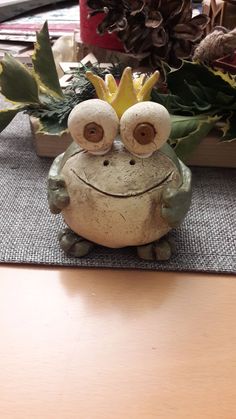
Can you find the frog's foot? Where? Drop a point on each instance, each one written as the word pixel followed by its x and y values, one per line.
pixel 159 250
pixel 74 245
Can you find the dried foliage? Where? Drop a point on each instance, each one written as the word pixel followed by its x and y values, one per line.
pixel 152 30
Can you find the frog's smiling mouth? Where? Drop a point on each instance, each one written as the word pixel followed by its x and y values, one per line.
pixel 125 195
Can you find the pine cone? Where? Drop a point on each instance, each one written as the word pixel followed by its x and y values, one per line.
pixel 115 14
pixel 152 30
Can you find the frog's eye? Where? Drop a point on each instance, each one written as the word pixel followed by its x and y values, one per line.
pixel 144 128
pixel 93 124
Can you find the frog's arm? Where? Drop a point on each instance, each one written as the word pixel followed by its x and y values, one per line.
pixel 58 197
pixel 57 194
pixel 176 201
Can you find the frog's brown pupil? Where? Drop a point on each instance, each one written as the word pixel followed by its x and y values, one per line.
pixel 93 132
pixel 144 133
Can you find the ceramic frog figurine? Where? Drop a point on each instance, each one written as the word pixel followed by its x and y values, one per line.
pixel 119 183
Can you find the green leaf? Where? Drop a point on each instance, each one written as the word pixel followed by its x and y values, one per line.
pixel 192 73
pixel 194 82
pixel 198 101
pixel 229 128
pixel 165 69
pixel 44 64
pixel 6 116
pixel 172 103
pixel 225 100
pixel 17 82
pixel 188 131
pixel 228 77
pixel 51 126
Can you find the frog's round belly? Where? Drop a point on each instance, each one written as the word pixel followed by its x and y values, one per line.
pixel 115 200
pixel 114 221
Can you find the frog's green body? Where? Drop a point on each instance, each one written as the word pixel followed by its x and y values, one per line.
pixel 118 199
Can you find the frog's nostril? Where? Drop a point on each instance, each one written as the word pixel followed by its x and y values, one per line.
pixel 132 162
pixel 106 163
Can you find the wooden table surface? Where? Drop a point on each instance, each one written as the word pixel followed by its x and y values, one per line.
pixel 113 344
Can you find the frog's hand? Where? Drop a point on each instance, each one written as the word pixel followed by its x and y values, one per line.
pixel 176 202
pixel 58 197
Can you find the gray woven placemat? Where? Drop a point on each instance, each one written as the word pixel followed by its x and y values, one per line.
pixel 28 232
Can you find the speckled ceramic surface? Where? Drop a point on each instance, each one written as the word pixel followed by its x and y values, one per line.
pixel 206 241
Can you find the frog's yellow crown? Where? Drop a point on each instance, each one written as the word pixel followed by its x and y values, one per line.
pixel 127 93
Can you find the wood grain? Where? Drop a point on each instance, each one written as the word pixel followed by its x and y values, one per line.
pixel 104 344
